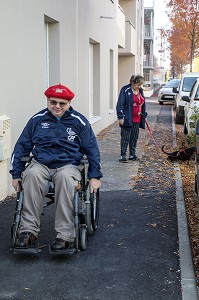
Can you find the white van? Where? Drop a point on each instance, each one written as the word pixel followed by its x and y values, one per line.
pixel 183 89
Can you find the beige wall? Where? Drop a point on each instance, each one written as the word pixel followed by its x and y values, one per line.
pixel 130 60
pixel 73 25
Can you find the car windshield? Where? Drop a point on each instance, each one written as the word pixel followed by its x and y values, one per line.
pixel 188 83
pixel 172 83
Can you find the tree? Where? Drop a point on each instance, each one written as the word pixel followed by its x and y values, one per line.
pixel 185 21
pixel 179 54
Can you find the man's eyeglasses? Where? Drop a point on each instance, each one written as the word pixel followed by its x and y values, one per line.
pixel 61 104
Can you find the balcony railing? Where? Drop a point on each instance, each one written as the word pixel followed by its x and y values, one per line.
pixel 148 31
pixel 148 60
pixel 131 37
pixel 121 26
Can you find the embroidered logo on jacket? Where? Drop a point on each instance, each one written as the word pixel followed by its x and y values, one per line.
pixel 45 125
pixel 71 134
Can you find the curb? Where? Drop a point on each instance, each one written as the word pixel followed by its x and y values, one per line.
pixel 188 281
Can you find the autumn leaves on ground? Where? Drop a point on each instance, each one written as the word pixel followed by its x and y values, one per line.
pixel 187 169
pixel 161 180
pixel 191 202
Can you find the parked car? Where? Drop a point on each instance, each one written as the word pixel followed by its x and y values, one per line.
pixel 191 108
pixel 166 93
pixel 183 89
pixel 147 86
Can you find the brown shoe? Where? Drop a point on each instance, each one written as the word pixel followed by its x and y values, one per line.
pixel 25 240
pixel 60 244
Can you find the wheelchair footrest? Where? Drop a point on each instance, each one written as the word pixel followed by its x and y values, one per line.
pixel 27 251
pixel 62 252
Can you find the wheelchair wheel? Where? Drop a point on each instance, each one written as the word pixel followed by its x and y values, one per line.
pixel 14 233
pixel 83 238
pixel 88 212
pixel 92 211
pixel 17 217
pixel 94 202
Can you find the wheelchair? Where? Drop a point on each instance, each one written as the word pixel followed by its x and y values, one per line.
pixel 86 214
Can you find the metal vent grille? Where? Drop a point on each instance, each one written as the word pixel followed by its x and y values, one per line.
pixel 6 124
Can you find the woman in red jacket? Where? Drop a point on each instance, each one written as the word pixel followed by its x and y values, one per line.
pixel 131 113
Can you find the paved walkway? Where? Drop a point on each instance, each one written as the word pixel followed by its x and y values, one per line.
pixel 109 141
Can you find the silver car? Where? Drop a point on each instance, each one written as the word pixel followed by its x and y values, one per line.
pixel 166 93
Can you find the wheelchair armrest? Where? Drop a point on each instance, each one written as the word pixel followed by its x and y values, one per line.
pixel 27 158
pixel 84 161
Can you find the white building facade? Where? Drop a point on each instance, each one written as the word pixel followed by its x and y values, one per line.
pixel 91 46
pixel 148 63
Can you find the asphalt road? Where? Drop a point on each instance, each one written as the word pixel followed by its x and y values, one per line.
pixel 133 254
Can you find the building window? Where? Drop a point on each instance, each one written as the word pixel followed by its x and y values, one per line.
pixel 52 51
pixel 111 82
pixel 94 81
pixel 46 29
pixel 91 114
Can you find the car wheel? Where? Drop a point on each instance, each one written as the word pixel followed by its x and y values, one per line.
pixel 160 102
pixel 185 129
pixel 179 118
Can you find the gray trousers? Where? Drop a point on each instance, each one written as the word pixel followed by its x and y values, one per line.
pixel 129 138
pixel 35 182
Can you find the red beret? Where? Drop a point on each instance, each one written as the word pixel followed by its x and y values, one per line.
pixel 59 91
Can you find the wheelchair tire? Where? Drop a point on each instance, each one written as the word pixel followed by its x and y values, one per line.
pixel 88 212
pixel 94 202
pixel 17 217
pixel 14 233
pixel 92 212
pixel 83 238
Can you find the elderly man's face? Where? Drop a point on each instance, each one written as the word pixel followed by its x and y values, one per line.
pixel 58 106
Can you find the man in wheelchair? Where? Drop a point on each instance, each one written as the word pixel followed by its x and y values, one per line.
pixel 57 137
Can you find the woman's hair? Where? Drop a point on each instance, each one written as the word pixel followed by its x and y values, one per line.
pixel 136 79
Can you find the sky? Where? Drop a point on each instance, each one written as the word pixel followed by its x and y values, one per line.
pixel 160 17
pixel 161 20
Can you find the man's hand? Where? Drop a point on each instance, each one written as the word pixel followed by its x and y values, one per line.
pixel 16 183
pixel 94 185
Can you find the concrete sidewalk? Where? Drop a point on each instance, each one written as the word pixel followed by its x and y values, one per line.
pixel 109 141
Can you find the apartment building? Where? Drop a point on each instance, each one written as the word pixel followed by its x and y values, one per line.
pixel 91 46
pixel 148 59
